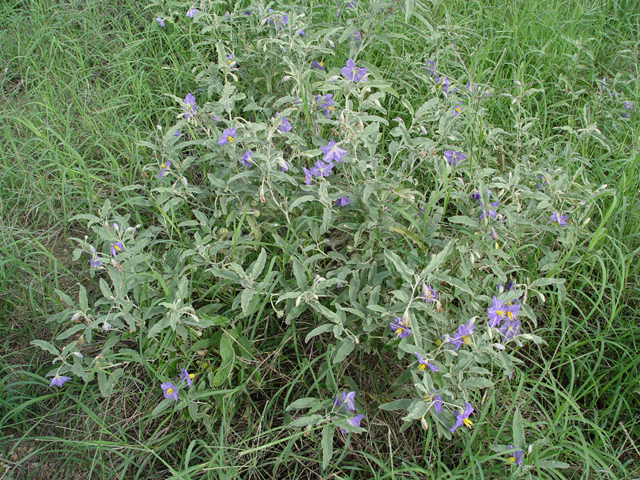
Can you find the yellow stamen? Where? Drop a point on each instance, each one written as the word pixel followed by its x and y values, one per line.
pixel 230 138
pixel 465 339
pixel 191 376
pixel 164 165
pixel 422 366
pixel 321 64
pixel 511 459
pixel 116 247
pixel 467 422
pixel 399 331
pixel 169 391
pixel 497 246
pixel 510 315
pixel 428 398
pixel 500 313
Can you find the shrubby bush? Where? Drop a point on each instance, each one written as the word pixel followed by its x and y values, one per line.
pixel 285 192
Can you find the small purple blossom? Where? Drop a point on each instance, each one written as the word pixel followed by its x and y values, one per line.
pixel 163 168
pixel 400 330
pixel 352 72
pixel 58 381
pixel 463 418
pixel 176 133
pixel 284 126
pixel 558 219
pixel 170 391
pixel 191 12
pixel 189 106
pixel 94 261
pixel 428 294
pixel 322 169
pixel 106 327
pixel 496 312
pixel 116 248
pixel 332 152
pixel 342 201
pixel 159 20
pixel 354 422
pixel 457 109
pixel 284 167
pixel 453 158
pixel 355 35
pixel 231 62
pixel 317 65
pixel 489 212
pixel 325 103
pixel 516 456
pixel 509 329
pixel 436 401
pixel 308 176
pixel 462 335
pixel 423 364
pixel 185 376
pixel 349 5
pixel 346 400
pixel 627 106
pixel 301 33
pixel 227 136
pixel 246 159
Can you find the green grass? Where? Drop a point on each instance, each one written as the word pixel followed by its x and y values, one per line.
pixel 82 82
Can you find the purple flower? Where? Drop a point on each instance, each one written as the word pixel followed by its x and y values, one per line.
pixel 509 329
pixel 116 247
pixel 453 158
pixel 231 62
pixel 332 152
pixel 353 73
pixel 558 219
pixel 342 201
pixel 285 126
pixel 517 456
pixel 106 327
pixel 349 5
pixel 428 294
pixel 191 12
pixel 301 33
pixel 496 312
pixel 189 106
pixel 94 262
pixel 462 335
pixel 164 167
pixel 284 167
pixel 436 401
pixel 346 400
pixel 423 364
pixel 277 20
pixel 317 65
pixel 186 376
pixel 628 106
pixel 353 421
pixel 489 212
pixel 159 20
pixel 400 330
pixel 444 85
pixel 246 159
pixel 355 35
pixel 308 175
pixel 457 109
pixel 475 196
pixel 463 418
pixel 227 136
pixel 170 391
pixel 321 169
pixel 58 381
pixel 325 103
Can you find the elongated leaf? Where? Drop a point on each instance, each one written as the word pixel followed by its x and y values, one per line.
pixel 327 445
pixel 518 429
pixel 307 402
pixel 308 420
